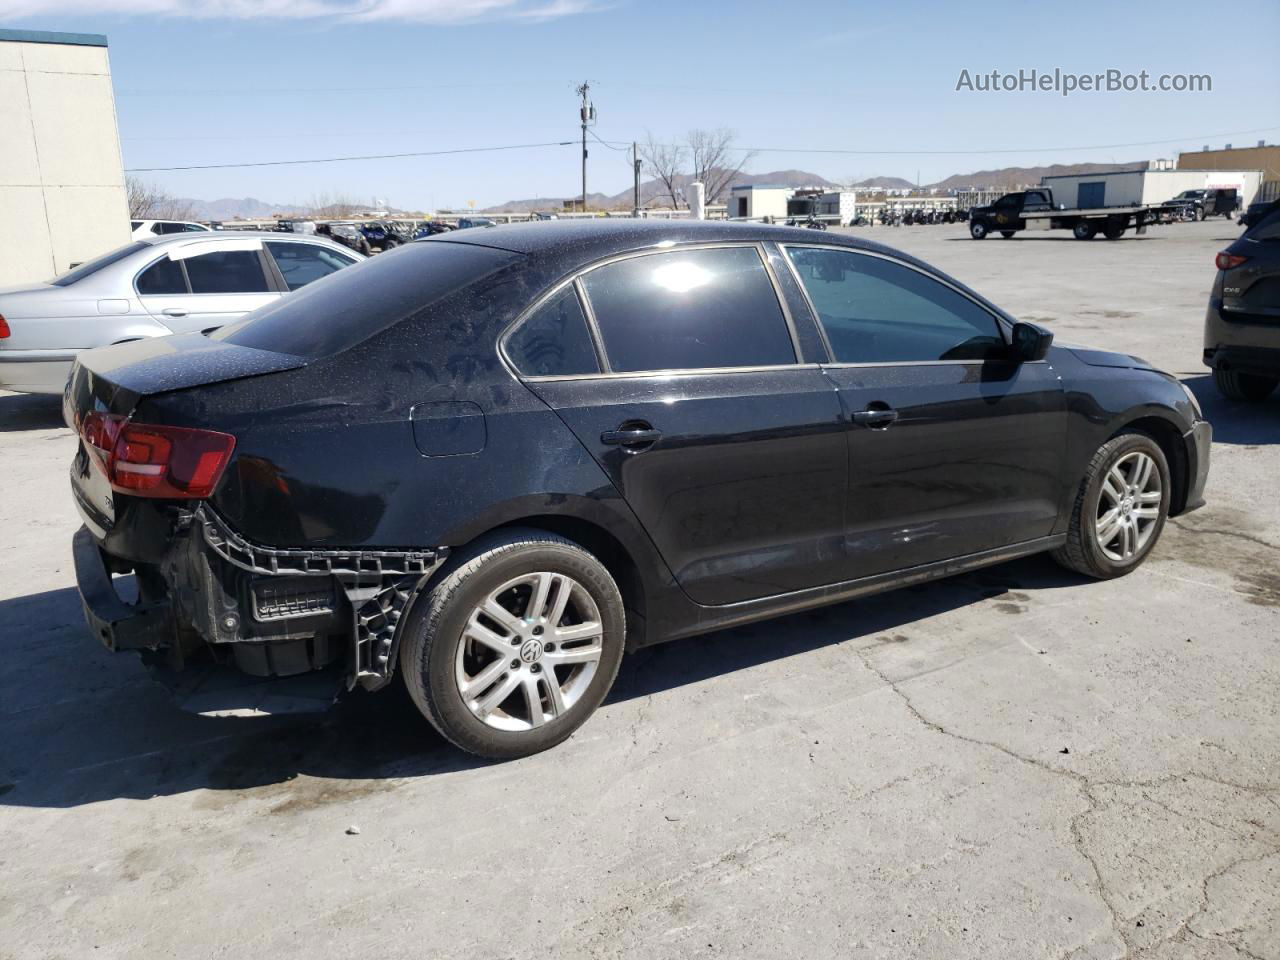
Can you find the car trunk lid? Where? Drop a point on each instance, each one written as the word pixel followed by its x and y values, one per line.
pixel 111 381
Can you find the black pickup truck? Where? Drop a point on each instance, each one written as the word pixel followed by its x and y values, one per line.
pixel 1035 210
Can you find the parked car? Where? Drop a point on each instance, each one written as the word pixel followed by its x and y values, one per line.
pixel 1242 324
pixel 1189 203
pixel 1221 203
pixel 465 223
pixel 142 229
pixel 496 459
pixel 1256 211
pixel 429 228
pixel 347 234
pixel 150 288
pixel 381 235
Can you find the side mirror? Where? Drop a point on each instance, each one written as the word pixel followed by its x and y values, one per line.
pixel 1030 342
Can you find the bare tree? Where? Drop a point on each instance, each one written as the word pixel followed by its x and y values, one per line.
pixel 148 202
pixel 716 162
pixel 337 206
pixel 666 161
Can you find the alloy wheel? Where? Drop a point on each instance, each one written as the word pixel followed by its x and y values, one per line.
pixel 529 651
pixel 1129 507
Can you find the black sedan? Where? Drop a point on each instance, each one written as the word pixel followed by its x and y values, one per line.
pixel 496 459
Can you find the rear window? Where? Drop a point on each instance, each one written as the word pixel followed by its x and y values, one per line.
pixel 1268 228
pixel 93 266
pixel 347 307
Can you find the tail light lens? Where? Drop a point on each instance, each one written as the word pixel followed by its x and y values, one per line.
pixel 146 460
pixel 4 327
pixel 1226 261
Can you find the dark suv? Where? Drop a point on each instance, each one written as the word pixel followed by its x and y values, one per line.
pixel 496 459
pixel 1242 324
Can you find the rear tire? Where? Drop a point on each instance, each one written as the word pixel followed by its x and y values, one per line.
pixel 1084 230
pixel 1113 231
pixel 1248 387
pixel 1120 509
pixel 485 679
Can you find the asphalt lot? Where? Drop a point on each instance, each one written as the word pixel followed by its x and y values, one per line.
pixel 1016 763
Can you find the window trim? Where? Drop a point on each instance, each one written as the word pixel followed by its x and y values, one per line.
pixel 593 329
pixel 1002 325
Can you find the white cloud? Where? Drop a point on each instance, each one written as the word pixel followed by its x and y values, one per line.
pixel 405 11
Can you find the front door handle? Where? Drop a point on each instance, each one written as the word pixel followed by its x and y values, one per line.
pixel 631 436
pixel 174 312
pixel 875 416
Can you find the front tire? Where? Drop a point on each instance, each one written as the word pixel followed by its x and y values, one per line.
pixel 1084 230
pixel 1120 509
pixel 978 230
pixel 1249 387
pixel 516 646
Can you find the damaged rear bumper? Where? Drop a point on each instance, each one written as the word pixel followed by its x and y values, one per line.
pixel 271 612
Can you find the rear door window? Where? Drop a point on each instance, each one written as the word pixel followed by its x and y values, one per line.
pixel 874 310
pixel 694 309
pixel 553 341
pixel 303 263
pixel 227 271
pixel 164 277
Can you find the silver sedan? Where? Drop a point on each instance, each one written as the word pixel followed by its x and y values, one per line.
pixel 177 283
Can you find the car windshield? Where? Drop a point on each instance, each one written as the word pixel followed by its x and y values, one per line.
pixel 351 305
pixel 93 266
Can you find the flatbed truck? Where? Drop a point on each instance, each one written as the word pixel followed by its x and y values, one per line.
pixel 1035 210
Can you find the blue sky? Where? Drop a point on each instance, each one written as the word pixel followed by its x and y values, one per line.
pixel 228 81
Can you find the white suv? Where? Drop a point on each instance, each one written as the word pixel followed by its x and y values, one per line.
pixel 142 229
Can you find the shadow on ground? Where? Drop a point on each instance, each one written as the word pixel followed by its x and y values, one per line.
pixel 1247 424
pixel 97 728
pixel 29 411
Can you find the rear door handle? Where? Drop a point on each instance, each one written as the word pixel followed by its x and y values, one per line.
pixel 174 312
pixel 637 437
pixel 879 417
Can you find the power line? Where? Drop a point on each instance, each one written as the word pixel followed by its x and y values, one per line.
pixel 594 136
pixel 376 156
pixel 625 146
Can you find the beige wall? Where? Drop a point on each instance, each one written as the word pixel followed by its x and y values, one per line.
pixel 62 194
pixel 1266 159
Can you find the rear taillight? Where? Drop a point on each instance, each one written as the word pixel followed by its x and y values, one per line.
pixel 146 460
pixel 1227 261
pixel 4 327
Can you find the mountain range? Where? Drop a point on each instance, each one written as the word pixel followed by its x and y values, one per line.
pixel 1005 178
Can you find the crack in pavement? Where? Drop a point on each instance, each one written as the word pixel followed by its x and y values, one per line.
pixel 1118 922
pixel 1234 534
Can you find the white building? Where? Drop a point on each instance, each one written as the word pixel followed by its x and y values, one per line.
pixel 1131 187
pixel 62 191
pixel 756 200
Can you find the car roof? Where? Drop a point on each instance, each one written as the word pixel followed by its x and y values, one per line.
pixel 213 236
pixel 589 239
pixel 567 245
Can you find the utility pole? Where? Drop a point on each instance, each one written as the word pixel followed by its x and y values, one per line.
pixel 635 159
pixel 587 113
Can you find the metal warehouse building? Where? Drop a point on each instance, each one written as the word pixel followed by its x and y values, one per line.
pixel 62 190
pixel 1128 187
